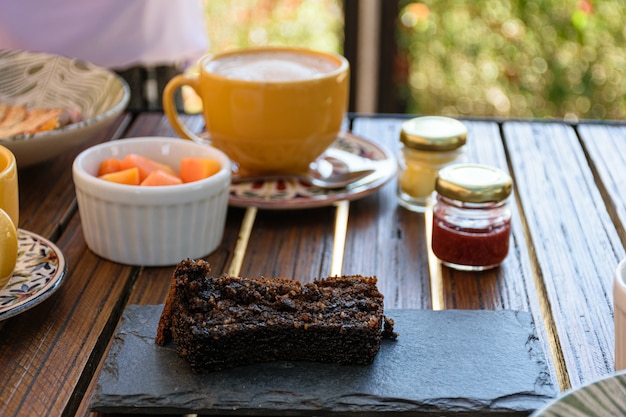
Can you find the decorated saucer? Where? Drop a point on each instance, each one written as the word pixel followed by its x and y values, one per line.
pixel 38 273
pixel 289 193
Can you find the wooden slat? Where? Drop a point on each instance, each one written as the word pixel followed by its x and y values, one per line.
pixel 606 146
pixel 385 240
pixel 290 244
pixel 575 242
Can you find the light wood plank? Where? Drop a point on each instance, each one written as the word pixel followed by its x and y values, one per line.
pixel 575 242
pixel 606 145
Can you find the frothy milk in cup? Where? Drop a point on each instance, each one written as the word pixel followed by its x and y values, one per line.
pixel 271 67
pixel 271 110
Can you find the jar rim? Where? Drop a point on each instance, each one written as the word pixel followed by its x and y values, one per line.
pixel 433 133
pixel 473 183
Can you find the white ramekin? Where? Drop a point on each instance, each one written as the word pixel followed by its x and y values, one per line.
pixel 151 226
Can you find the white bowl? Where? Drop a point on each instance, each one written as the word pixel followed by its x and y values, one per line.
pixel 157 225
pixel 40 80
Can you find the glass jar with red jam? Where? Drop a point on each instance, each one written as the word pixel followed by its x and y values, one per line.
pixel 471 218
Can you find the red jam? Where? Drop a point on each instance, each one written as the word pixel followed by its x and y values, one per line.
pixel 474 248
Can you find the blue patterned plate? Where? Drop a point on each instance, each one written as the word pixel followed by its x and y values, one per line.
pixel 38 273
pixel 605 397
pixel 347 150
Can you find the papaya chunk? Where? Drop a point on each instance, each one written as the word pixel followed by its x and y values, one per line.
pixel 194 169
pixel 160 177
pixel 128 176
pixel 109 165
pixel 144 164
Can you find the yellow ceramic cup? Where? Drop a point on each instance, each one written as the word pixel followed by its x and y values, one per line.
pixel 271 110
pixel 9 214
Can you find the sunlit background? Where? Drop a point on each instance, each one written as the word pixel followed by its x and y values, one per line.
pixel 317 24
pixel 523 58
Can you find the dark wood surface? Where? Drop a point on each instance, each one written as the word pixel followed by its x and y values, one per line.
pixel 568 235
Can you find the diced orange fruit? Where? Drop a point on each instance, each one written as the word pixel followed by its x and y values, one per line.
pixel 135 169
pixel 160 177
pixel 109 165
pixel 128 176
pixel 145 165
pixel 194 169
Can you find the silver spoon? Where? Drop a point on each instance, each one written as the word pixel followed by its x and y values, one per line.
pixel 336 169
pixel 333 181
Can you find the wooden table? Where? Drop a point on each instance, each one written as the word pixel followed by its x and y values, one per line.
pixel 569 212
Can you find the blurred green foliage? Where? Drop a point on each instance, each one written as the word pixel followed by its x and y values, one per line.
pixel 503 58
pixel 316 24
pixel 523 58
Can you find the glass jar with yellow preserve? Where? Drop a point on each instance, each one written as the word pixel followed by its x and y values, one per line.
pixel 429 143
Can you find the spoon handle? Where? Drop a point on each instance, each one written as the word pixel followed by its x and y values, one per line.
pixel 333 181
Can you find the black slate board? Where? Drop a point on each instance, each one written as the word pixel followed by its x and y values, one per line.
pixel 460 362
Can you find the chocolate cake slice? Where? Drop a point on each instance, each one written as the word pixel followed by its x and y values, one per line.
pixel 222 322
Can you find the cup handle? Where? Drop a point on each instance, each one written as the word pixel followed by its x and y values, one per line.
pixel 170 108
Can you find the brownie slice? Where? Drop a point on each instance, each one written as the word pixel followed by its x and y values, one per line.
pixel 222 322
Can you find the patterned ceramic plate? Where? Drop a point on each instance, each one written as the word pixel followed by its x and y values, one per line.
pixel 603 398
pixel 348 150
pixel 39 271
pixel 40 80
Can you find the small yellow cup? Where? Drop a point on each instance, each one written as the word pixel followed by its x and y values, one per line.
pixel 9 214
pixel 271 110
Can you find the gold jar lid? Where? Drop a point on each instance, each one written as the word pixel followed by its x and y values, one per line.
pixel 473 183
pixel 433 133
